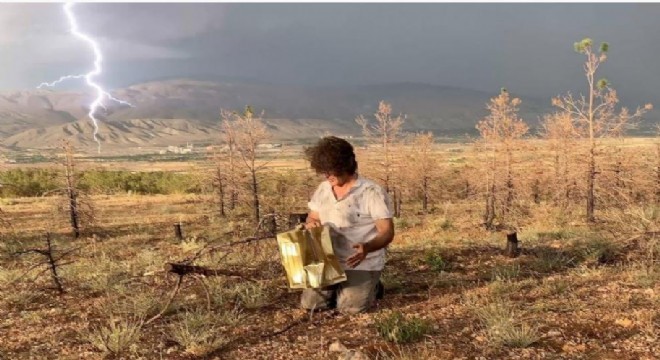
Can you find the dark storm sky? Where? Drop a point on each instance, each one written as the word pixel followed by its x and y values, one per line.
pixel 524 47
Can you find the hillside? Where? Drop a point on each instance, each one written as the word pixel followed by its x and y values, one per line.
pixel 182 110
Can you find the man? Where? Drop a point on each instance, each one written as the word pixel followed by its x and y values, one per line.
pixel 358 213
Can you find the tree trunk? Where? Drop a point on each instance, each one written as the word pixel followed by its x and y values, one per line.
pixel 590 186
pixel 509 182
pixel 490 208
pixel 71 194
pixel 425 195
pixel 566 182
pixel 255 196
pixel 536 191
pixel 395 202
pixel 657 176
pixel 53 265
pixel 467 189
pixel 221 192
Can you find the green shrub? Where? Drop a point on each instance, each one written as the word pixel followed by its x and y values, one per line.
pixel 436 262
pixel 399 328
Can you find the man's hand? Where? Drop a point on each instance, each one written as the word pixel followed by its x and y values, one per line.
pixel 357 257
pixel 312 220
pixel 384 237
pixel 312 224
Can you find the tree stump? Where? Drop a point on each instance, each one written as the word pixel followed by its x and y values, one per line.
pixel 178 233
pixel 512 245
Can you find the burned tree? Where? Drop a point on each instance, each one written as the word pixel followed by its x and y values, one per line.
pixel 500 131
pixel 385 134
pixel 421 167
pixel 220 178
pixel 246 132
pixel 560 132
pixel 77 205
pixel 595 115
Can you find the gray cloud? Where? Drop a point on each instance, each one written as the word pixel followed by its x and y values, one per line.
pixel 525 47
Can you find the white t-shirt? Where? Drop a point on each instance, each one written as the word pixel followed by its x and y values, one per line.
pixel 352 219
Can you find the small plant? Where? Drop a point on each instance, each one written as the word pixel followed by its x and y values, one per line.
pixel 391 282
pixel 401 223
pixel 506 272
pixel 549 260
pixel 399 328
pixel 446 224
pixel 644 275
pixel 9 276
pixel 427 351
pixel 436 262
pixel 191 244
pixel 497 319
pixel 597 250
pixel 118 336
pixel 129 302
pixel 553 235
pixel 251 295
pixel 198 332
pixel 552 287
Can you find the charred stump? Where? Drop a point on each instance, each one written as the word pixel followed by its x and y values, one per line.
pixel 512 249
pixel 178 232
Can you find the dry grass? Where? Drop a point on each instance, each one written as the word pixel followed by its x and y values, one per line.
pixel 593 286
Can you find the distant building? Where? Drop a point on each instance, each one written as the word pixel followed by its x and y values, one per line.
pixel 180 149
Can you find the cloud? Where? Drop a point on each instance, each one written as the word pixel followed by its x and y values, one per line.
pixel 151 23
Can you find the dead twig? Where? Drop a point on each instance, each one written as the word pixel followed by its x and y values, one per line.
pixel 299 321
pixel 175 291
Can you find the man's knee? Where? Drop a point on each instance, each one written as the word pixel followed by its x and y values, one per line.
pixel 314 299
pixel 359 294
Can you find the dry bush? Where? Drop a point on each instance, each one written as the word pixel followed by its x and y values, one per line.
pixel 117 337
pixel 198 331
pixel 425 350
pixel 497 319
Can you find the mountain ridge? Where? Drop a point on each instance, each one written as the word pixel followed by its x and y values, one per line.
pixel 185 110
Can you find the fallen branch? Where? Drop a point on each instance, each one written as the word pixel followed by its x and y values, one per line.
pixel 225 246
pixel 185 269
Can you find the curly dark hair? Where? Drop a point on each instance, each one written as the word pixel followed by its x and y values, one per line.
pixel 332 155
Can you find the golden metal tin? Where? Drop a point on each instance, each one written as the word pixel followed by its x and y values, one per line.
pixel 308 258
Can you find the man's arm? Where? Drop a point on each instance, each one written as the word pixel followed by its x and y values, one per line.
pixel 384 237
pixel 313 220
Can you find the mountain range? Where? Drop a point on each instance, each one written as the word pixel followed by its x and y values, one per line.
pixel 177 111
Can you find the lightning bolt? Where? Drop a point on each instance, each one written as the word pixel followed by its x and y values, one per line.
pixel 101 94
